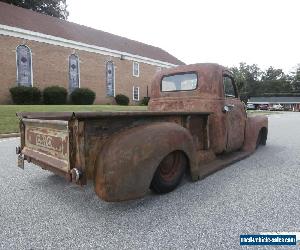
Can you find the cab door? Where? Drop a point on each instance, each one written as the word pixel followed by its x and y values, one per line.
pixel 235 115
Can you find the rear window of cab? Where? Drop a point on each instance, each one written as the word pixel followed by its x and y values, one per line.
pixel 179 82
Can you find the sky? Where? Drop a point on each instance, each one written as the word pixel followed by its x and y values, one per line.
pixel 262 32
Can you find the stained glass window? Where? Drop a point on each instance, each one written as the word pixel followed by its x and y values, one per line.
pixel 110 79
pixel 24 66
pixel 73 72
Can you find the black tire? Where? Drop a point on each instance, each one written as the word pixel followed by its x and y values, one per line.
pixel 259 137
pixel 169 173
pixel 264 137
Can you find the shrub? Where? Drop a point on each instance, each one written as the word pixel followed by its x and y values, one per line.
pixel 82 96
pixel 122 99
pixel 145 101
pixel 25 95
pixel 55 95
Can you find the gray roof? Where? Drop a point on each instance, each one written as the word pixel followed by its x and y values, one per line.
pixel 273 99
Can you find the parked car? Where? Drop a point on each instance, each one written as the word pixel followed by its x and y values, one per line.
pixel 287 108
pixel 263 107
pixel 251 106
pixel 276 107
pixel 195 121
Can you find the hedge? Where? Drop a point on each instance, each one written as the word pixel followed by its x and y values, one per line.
pixel 25 95
pixel 55 95
pixel 145 101
pixel 122 99
pixel 82 96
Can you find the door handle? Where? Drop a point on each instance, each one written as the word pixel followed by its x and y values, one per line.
pixel 228 108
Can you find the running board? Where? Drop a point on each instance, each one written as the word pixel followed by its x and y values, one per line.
pixel 220 162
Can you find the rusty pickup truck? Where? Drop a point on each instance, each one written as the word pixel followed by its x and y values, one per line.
pixel 195 123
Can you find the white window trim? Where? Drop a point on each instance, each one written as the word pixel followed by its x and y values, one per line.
pixel 133 88
pixel 114 80
pixel 17 81
pixel 138 69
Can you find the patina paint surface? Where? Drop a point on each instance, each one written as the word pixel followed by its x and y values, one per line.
pixel 126 166
pixel 49 140
pixel 120 151
pixel 208 97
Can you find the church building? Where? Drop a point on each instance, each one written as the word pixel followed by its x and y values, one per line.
pixel 41 51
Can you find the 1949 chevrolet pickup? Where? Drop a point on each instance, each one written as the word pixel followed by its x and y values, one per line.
pixel 195 123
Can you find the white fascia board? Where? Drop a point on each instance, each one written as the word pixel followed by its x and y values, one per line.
pixel 258 102
pixel 40 37
pixel 273 102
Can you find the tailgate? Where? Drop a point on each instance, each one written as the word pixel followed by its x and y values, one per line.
pixel 47 143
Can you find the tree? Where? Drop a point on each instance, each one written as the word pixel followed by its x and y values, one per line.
pixel 275 81
pixel 55 8
pixel 295 79
pixel 252 81
pixel 247 78
pixel 273 74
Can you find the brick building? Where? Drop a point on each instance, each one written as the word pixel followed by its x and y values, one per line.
pixel 39 50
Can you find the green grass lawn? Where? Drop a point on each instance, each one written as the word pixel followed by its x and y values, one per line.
pixel 9 122
pixel 262 112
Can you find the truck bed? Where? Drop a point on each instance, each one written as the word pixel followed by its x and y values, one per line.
pixel 94 115
pixel 60 141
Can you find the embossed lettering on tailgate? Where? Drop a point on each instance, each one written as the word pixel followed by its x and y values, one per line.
pixel 47 141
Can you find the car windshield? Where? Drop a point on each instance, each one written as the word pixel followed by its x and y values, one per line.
pixel 179 82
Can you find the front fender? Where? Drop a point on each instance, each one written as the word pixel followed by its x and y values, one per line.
pixel 128 160
pixel 253 126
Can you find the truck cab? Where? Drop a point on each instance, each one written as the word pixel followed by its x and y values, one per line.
pixel 204 88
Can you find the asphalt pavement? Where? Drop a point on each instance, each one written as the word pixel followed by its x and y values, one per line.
pixel 39 210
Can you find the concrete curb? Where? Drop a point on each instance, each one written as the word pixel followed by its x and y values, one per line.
pixel 9 135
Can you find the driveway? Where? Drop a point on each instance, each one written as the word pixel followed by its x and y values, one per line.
pixel 261 193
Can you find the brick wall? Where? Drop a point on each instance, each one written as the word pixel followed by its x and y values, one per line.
pixel 50 67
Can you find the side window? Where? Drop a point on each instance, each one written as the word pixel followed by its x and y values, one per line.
pixel 229 88
pixel 136 93
pixel 24 66
pixel 110 79
pixel 73 72
pixel 136 69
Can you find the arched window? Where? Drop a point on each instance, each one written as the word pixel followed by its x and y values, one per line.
pixel 73 72
pixel 110 79
pixel 24 66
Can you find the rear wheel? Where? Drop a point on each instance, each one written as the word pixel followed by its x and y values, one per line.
pixel 169 172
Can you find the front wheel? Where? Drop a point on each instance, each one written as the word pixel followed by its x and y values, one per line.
pixel 169 172
pixel 262 137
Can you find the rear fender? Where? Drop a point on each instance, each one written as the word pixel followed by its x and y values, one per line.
pixel 128 160
pixel 253 126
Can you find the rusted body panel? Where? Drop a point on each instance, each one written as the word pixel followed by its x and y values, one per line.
pixel 89 132
pixel 47 141
pixel 253 127
pixel 208 97
pixel 120 151
pixel 130 174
